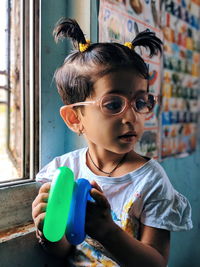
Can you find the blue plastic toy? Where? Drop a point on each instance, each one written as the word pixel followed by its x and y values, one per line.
pixel 75 231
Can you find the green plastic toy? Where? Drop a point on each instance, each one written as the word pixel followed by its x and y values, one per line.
pixel 58 208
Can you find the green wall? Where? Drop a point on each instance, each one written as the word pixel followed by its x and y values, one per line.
pixel 185 176
pixel 56 139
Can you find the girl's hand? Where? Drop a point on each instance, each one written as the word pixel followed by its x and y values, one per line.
pixel 98 214
pixel 39 206
pixel 61 248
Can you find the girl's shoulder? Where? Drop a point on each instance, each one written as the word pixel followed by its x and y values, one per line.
pixel 72 159
pixel 145 167
pixel 150 170
pixel 151 178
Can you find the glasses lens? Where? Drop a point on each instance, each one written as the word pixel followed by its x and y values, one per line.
pixel 112 104
pixel 145 103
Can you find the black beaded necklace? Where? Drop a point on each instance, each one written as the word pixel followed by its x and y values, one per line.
pixel 108 173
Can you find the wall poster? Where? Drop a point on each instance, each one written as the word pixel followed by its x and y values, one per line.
pixel 171 130
pixel 180 90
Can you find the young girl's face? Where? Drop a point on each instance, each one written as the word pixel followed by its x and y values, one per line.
pixel 117 133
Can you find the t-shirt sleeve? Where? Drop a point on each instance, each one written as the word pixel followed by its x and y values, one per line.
pixel 172 215
pixel 71 160
pixel 166 208
pixel 47 172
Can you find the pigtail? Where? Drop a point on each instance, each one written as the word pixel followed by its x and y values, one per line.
pixel 148 40
pixel 69 28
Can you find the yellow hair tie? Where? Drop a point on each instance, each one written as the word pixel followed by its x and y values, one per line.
pixel 84 47
pixel 129 45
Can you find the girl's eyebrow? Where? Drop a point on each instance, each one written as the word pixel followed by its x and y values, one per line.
pixel 115 91
pixel 122 92
pixel 140 91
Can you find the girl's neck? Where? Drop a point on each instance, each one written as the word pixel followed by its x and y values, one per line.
pixel 106 163
pixel 104 158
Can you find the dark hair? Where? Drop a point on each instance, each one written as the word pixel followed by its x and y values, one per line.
pixel 75 78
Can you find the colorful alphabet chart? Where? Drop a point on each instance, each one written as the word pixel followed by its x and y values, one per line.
pixel 180 89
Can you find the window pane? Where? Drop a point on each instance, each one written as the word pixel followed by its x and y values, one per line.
pixel 16 149
pixel 14 130
pixel 9 167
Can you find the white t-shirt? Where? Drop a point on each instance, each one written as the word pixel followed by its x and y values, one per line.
pixel 144 195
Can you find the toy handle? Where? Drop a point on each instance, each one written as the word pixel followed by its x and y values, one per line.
pixel 58 206
pixel 75 231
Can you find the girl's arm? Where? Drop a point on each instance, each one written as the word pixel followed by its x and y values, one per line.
pixel 151 250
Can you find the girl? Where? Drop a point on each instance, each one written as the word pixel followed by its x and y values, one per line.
pixel 104 87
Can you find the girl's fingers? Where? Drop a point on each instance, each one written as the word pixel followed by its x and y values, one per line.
pixel 99 198
pixel 95 185
pixel 40 208
pixel 42 197
pixel 39 221
pixel 45 188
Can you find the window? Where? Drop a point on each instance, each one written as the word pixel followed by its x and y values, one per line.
pixel 19 109
pixel 19 90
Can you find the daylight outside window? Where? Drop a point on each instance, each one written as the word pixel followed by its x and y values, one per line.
pixel 18 90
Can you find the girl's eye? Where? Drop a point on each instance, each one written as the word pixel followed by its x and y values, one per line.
pixel 145 104
pixel 113 105
pixel 140 104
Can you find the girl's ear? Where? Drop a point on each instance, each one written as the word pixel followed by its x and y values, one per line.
pixel 71 118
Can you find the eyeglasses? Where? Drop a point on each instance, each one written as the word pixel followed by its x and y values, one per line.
pixel 113 104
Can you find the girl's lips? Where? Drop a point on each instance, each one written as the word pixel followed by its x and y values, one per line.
pixel 128 137
pixel 128 134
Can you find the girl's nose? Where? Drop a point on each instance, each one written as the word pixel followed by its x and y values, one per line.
pixel 130 115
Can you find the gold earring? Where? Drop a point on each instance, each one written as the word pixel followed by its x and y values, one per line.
pixel 80 132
